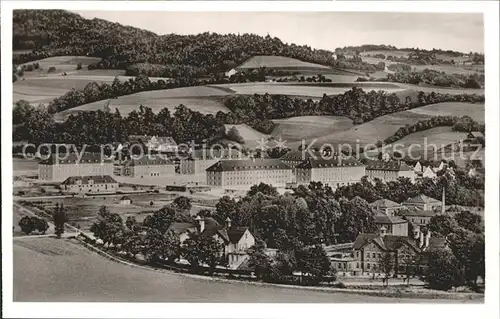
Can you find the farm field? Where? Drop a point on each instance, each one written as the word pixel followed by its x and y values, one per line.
pixel 82 212
pixel 278 62
pixel 83 276
pixel 300 127
pixel 307 90
pixel 201 98
pixel 62 63
pixel 384 126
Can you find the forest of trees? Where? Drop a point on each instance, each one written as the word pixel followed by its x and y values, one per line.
pixel 59 32
pixel 99 127
pixel 436 78
pixel 463 124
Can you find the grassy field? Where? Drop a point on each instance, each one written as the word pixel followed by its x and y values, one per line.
pixel 385 126
pixel 306 90
pixel 21 166
pixel 61 63
pixel 51 270
pixel 300 127
pixel 201 98
pixel 278 62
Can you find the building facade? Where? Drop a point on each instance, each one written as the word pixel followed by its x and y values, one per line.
pixel 149 166
pixel 418 217
pixel 235 240
pixel 89 185
pixel 423 202
pixel 389 170
pixel 87 164
pixel 243 174
pixel 333 172
pixel 198 161
pixel 394 225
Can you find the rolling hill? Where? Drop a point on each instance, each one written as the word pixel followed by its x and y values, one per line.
pixel 281 63
pixel 384 126
pixel 203 99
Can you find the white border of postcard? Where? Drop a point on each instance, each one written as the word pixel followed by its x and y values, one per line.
pixel 177 310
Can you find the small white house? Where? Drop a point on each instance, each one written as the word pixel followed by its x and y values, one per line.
pixel 125 200
pixel 231 72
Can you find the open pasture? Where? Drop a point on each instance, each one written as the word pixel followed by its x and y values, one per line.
pixel 300 127
pixel 306 90
pixel 474 110
pixel 385 126
pixel 202 99
pixel 278 62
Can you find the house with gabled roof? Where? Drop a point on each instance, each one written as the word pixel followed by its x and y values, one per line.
pixel 368 250
pixel 236 240
pixel 422 202
pixel 99 184
pixel 394 225
pixel 385 206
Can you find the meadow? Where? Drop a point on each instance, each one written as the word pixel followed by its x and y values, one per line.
pixel 201 98
pixel 279 62
pixel 385 126
pixel 250 135
pixel 303 127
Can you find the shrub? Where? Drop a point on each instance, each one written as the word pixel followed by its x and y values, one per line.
pixel 340 284
pixel 79 66
pixel 51 69
pixel 234 135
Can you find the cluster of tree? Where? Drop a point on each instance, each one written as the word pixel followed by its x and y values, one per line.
pixel 399 67
pixel 436 78
pixel 153 239
pixel 30 224
pixel 468 124
pixel 458 124
pixel 311 261
pixel 358 105
pixel 460 189
pixel 18 70
pixel 99 127
pixel 463 260
pixel 46 32
pixel 307 217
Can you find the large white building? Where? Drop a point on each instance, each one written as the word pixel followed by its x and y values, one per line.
pixel 334 172
pixel 389 170
pixel 57 169
pixel 243 174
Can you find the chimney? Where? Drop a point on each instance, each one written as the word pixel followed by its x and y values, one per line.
pixel 201 223
pixel 383 231
pixel 416 233
pixel 427 237
pixel 228 222
pixel 421 240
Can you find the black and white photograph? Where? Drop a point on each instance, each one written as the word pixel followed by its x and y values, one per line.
pixel 250 156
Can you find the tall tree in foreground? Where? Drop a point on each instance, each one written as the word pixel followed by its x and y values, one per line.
pixel 444 270
pixel 386 263
pixel 59 217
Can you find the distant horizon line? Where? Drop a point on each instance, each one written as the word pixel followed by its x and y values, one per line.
pixel 261 35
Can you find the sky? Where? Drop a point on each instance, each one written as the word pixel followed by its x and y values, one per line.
pixel 462 32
